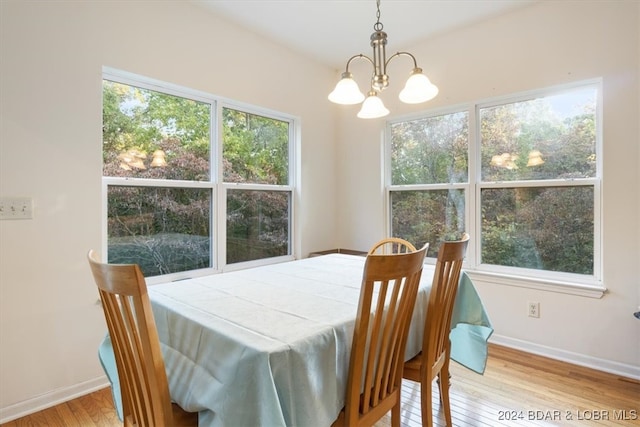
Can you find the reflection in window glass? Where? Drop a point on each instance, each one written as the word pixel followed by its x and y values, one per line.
pixel 542 228
pixel 149 134
pixel 552 137
pixel 255 148
pixel 428 216
pixel 431 150
pixel 162 169
pixel 164 230
pixel 257 224
pixel 533 176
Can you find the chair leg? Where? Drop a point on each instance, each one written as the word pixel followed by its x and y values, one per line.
pixel 440 386
pixel 395 415
pixel 444 384
pixel 426 405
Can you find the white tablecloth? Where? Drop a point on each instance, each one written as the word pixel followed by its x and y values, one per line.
pixel 269 346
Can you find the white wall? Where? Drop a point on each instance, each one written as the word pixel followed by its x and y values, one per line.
pixel 52 55
pixel 543 45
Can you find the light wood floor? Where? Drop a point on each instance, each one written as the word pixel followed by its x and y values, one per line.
pixel 517 389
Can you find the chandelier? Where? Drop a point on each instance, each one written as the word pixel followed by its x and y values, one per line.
pixel 418 88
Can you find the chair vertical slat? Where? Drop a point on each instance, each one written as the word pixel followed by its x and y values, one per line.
pixel 393 315
pixel 385 313
pixel 141 377
pixel 110 305
pixel 398 358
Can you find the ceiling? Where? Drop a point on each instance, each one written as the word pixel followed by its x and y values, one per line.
pixel 331 31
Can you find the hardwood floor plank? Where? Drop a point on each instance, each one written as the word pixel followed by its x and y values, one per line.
pixel 536 391
pixel 65 413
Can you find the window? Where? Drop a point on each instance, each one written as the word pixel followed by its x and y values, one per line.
pixel 531 188
pixel 429 179
pixel 175 202
pixel 256 175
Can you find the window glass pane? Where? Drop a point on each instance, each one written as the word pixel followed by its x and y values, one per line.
pixel 551 137
pixel 255 148
pixel 432 150
pixel 257 224
pixel 164 230
pixel 148 134
pixel 540 228
pixel 428 216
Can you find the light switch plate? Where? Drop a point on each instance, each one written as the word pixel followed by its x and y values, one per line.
pixel 16 208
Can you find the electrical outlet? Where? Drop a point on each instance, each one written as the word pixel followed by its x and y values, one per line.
pixel 16 208
pixel 534 309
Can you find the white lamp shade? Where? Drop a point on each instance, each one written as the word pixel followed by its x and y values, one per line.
pixel 346 91
pixel 418 89
pixel 372 107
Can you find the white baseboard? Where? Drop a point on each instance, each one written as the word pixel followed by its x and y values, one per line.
pixel 50 399
pixel 622 369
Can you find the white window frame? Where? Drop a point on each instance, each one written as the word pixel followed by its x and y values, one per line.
pixel 218 187
pixel 226 186
pixel 574 284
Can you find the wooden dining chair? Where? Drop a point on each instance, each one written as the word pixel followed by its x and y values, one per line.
pixel 391 245
pixel 433 361
pixel 141 371
pixel 387 297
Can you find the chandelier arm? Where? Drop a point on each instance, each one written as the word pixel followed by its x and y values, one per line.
pixel 358 57
pixel 415 63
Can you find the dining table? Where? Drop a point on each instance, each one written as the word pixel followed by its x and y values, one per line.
pixel 270 345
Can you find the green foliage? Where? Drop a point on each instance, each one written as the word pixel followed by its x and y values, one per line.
pixel 566 145
pixel 538 227
pixel 255 148
pixel 126 120
pixel 444 210
pixel 429 151
pixel 257 224
pixel 153 135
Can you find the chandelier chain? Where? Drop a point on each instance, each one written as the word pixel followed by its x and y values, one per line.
pixel 378 25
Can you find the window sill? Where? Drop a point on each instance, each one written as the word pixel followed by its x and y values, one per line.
pixel 338 251
pixel 549 285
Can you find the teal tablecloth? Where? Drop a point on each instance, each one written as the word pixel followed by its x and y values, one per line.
pixel 108 362
pixel 270 345
pixel 470 327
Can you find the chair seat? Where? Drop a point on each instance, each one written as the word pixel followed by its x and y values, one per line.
pixel 412 367
pixel 182 418
pixel 414 363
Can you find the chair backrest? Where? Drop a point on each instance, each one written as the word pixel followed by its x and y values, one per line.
pixel 141 371
pixel 392 245
pixel 441 299
pixel 387 297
